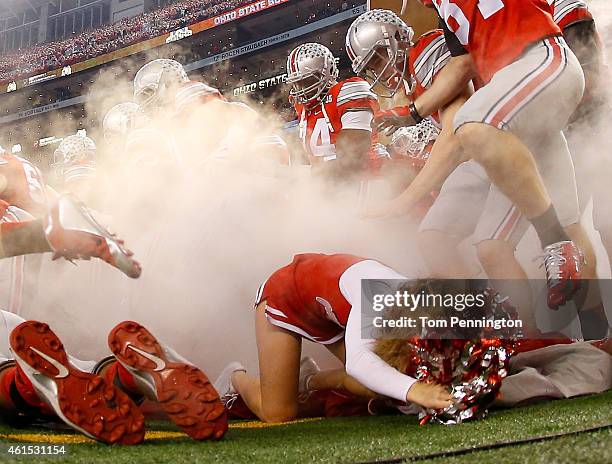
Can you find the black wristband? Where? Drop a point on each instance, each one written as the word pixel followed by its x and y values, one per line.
pixel 415 113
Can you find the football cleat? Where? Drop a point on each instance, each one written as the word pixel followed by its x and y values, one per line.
pixel 84 401
pixel 223 383
pixel 183 390
pixel 563 263
pixel 308 368
pixel 73 233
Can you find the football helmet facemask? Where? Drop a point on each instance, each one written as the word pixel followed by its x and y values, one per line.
pixel 156 83
pixel 312 71
pixel 121 119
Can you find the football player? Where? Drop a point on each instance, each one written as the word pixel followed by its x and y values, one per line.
pixel 335 117
pixel 68 230
pixel 122 119
pixel 22 187
pixel 39 379
pixel 371 58
pixel 580 32
pixel 467 205
pixel 164 91
pixel 521 76
pixel 135 141
pixel 318 298
pixel 76 167
pixel 37 376
pixel 21 184
pixel 591 164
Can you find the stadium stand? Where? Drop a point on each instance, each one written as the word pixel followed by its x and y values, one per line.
pixel 38 115
pixel 89 44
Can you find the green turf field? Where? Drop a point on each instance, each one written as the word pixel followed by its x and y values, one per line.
pixel 361 439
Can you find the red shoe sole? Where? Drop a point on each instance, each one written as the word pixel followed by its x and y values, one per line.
pixel 184 392
pixel 86 400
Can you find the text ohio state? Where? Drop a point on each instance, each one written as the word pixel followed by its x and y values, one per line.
pixel 246 11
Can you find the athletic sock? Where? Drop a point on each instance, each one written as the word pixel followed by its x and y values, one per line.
pixel 549 228
pixel 17 388
pixel 124 380
pixel 7 381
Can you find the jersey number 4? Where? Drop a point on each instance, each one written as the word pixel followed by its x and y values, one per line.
pixel 320 140
pixel 450 10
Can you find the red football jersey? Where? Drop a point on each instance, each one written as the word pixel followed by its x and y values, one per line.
pixel 427 58
pixel 320 125
pixel 21 184
pixel 304 297
pixel 497 32
pixel 568 12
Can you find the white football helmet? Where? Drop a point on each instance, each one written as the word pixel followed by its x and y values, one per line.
pixel 121 119
pixel 412 141
pixel 156 83
pixel 74 149
pixel 312 71
pixel 378 43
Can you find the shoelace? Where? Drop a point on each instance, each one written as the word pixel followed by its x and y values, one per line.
pixel 229 400
pixel 553 260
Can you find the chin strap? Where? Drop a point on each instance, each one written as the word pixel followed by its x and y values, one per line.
pixel 327 120
pixel 303 124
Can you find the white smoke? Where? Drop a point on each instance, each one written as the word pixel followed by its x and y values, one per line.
pixel 208 238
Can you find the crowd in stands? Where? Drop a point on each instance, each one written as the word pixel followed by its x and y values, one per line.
pixel 309 12
pixel 107 38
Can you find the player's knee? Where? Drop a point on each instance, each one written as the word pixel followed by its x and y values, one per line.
pixel 478 140
pixel 278 414
pixel 492 253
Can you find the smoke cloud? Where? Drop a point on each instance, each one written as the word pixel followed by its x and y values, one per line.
pixel 209 228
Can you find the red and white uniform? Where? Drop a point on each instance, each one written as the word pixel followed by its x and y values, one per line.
pixel 497 32
pixel 458 208
pixel 194 93
pixel 21 184
pixel 427 58
pixel 342 108
pixel 23 196
pixel 569 12
pixel 304 297
pixel 319 297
